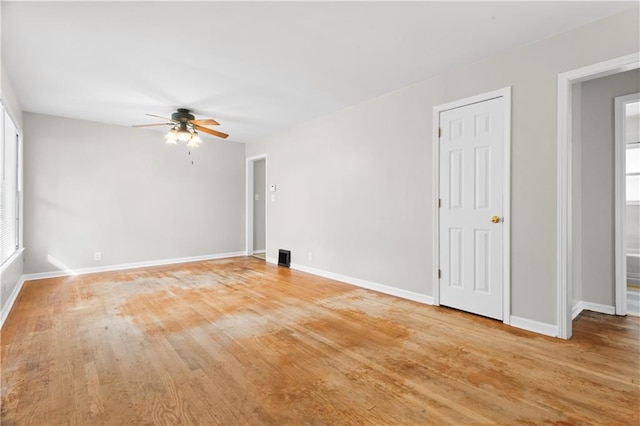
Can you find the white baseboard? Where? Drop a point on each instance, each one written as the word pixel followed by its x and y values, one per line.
pixel 633 303
pixel 535 326
pixel 523 323
pixel 590 306
pixel 577 308
pixel 259 251
pixel 381 288
pixel 123 266
pixel 6 309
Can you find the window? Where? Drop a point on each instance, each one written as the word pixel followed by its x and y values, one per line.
pixel 9 187
pixel 633 173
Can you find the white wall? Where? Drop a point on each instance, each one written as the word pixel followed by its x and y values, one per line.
pixel 259 211
pixel 598 189
pixel 92 187
pixel 632 129
pixel 10 278
pixel 633 231
pixel 355 187
pixel 9 99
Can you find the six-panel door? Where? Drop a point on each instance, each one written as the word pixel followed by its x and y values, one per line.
pixel 471 175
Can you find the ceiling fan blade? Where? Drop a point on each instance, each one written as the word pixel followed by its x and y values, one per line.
pixel 211 132
pixel 164 118
pixel 150 125
pixel 209 121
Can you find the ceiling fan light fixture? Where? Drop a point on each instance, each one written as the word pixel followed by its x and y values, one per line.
pixel 184 135
pixel 195 140
pixel 172 137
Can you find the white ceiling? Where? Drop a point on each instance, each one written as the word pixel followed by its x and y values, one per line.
pixel 255 67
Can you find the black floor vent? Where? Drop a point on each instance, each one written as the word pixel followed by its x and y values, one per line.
pixel 284 258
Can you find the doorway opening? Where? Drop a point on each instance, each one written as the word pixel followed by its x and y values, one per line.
pixel 566 269
pixel 256 206
pixel 627 204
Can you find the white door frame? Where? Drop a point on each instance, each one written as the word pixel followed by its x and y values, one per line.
pixel 564 248
pixel 249 202
pixel 621 201
pixel 506 194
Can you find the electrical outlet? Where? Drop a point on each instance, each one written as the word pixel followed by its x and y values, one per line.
pixel 97 256
pixel 310 255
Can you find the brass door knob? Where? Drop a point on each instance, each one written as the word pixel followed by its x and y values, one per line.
pixel 495 219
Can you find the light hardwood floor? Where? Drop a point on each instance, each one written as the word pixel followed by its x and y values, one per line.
pixel 239 341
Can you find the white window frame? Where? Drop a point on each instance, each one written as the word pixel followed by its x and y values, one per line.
pixel 19 217
pixel 628 146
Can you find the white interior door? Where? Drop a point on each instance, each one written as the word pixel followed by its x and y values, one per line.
pixel 471 212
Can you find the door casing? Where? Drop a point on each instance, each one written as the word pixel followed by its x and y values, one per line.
pixel 504 93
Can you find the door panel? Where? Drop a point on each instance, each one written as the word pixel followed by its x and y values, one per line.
pixel 455 179
pixel 482 180
pixel 455 257
pixel 471 182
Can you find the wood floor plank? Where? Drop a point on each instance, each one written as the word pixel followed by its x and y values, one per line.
pixel 239 341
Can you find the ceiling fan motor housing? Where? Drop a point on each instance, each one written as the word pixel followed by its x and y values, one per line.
pixel 182 115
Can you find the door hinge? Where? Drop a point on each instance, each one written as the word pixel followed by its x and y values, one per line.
pixel 439 274
pixel 439 203
pixel 439 132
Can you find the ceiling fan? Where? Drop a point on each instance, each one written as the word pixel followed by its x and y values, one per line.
pixel 185 127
